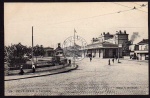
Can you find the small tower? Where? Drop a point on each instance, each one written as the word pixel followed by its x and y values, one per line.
pixel 121 37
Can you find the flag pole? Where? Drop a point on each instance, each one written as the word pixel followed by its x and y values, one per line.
pixel 118 49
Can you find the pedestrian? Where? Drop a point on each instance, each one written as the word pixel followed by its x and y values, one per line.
pixel 33 68
pixel 69 62
pixel 90 56
pixel 116 58
pixel 21 70
pixel 113 60
pixel 109 62
pixel 90 59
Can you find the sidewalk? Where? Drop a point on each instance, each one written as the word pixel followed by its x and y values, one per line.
pixel 39 74
pixel 42 69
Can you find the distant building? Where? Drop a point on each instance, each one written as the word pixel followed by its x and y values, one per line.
pixel 140 50
pixel 121 37
pixel 107 45
pixel 71 50
pixel 49 52
pixel 103 50
pixel 105 36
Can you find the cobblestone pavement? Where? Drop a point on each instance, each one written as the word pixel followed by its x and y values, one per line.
pixel 91 78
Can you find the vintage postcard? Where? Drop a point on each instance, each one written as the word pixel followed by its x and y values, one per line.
pixel 96 48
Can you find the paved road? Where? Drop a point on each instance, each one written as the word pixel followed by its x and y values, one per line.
pixel 91 78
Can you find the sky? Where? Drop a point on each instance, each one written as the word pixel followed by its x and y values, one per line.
pixel 55 22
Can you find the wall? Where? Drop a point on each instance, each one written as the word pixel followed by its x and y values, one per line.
pixel 143 47
pixel 122 38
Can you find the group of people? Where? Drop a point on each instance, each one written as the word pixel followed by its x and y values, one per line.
pixel 22 72
pixel 113 59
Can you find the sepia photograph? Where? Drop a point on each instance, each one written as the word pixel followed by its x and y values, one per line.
pixel 76 48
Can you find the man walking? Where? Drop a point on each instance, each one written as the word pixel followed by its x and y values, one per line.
pixel 116 58
pixel 90 55
pixel 113 60
pixel 69 62
pixel 90 59
pixel 109 62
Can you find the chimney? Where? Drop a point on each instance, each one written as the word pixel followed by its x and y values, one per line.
pixel 103 33
pixel 119 31
pixel 58 44
pixel 93 39
pixel 124 31
pixel 108 33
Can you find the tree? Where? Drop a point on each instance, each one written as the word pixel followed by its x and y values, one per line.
pixel 38 50
pixel 15 53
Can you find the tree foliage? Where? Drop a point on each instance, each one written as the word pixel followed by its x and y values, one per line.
pixel 38 50
pixel 18 53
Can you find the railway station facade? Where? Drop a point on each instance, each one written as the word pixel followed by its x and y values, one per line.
pixel 107 45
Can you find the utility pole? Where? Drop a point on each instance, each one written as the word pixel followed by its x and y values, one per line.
pixel 32 45
pixel 74 48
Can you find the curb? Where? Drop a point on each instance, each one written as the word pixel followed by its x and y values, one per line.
pixel 42 69
pixel 59 71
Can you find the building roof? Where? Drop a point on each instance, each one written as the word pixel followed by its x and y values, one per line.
pixel 58 49
pixel 108 44
pixel 72 47
pixel 121 32
pixel 108 35
pixel 48 49
pixel 144 41
pixel 102 45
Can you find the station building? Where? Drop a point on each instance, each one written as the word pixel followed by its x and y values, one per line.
pixel 107 45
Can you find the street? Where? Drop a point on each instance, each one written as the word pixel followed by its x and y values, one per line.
pixel 91 78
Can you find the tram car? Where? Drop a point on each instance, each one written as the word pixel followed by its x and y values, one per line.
pixel 59 58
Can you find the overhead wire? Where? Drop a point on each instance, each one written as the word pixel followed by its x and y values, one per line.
pixel 130 7
pixel 86 18
pixel 104 14
pixel 139 4
pixel 142 6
